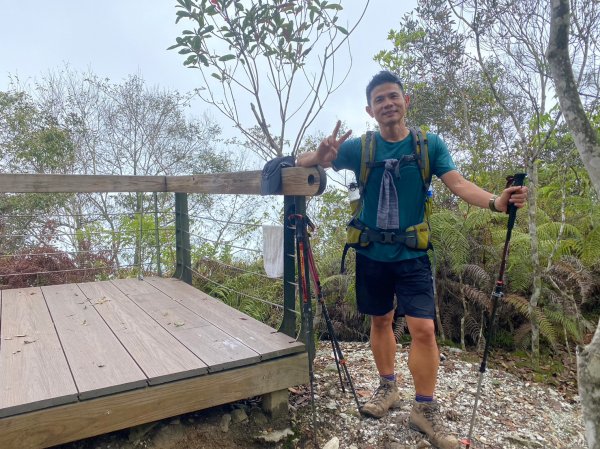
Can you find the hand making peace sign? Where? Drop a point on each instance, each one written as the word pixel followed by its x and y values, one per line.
pixel 328 148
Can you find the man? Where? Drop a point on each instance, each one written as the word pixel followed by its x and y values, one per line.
pixel 383 269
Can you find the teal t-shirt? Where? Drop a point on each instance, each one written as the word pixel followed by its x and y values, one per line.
pixel 409 185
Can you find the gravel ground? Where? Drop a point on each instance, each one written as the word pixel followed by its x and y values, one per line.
pixel 512 414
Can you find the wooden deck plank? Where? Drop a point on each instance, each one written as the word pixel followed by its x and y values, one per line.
pixel 33 370
pixel 261 338
pixel 214 347
pixel 99 363
pixel 97 416
pixel 160 356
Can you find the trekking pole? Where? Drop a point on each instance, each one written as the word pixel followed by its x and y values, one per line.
pixel 516 180
pixel 335 344
pixel 307 317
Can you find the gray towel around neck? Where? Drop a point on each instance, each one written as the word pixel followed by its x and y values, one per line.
pixel 387 209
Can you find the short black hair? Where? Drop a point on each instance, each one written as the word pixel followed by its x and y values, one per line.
pixel 385 76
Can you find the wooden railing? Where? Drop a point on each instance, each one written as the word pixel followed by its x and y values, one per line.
pixel 297 183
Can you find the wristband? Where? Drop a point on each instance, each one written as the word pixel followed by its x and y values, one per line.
pixel 492 204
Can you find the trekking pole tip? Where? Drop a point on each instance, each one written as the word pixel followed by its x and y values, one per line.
pixel 465 442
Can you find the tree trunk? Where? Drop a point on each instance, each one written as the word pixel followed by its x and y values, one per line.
pixel 532 173
pixel 588 145
pixel 588 377
pixel 584 135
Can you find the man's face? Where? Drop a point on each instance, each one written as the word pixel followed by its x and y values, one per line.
pixel 388 104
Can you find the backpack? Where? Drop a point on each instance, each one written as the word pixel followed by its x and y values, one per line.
pixel 414 237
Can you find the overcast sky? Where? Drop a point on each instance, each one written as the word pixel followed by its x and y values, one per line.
pixel 116 38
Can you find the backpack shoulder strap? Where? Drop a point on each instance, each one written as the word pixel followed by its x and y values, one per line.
pixel 367 156
pixel 421 150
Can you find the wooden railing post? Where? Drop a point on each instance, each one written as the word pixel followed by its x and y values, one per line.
pixel 157 234
pixel 183 254
pixel 288 324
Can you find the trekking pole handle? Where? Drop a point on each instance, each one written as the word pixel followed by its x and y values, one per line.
pixel 518 179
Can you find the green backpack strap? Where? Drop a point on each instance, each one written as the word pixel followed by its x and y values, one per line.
pixel 354 229
pixel 421 149
pixel 367 155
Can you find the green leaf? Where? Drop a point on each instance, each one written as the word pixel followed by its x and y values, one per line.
pixel 342 30
pixel 181 14
pixel 191 60
pixel 217 76
pixel 196 42
pixel 226 58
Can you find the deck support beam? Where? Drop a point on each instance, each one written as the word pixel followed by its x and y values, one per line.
pixel 84 419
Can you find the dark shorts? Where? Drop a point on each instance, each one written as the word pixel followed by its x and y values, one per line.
pixel 410 280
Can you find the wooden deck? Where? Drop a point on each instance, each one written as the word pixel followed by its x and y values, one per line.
pixel 79 360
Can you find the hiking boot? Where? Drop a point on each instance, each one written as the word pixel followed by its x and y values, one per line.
pixel 385 397
pixel 425 418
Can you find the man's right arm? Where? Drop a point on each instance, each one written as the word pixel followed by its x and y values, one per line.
pixel 310 159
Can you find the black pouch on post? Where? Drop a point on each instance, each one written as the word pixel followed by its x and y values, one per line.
pixel 270 181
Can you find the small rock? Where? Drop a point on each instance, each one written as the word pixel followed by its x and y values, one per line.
pixel 258 417
pixel 334 443
pixel 331 405
pixel 239 415
pixel 224 423
pixel 275 436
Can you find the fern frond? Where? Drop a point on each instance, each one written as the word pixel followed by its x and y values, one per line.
pixel 518 303
pixel 476 275
pixel 590 253
pixel 551 230
pixel 478 219
pixel 448 240
pixel 400 329
pixel 547 330
pixel 476 296
pixel 566 323
pixel 472 328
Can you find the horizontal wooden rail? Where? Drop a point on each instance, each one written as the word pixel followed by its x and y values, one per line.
pixel 296 181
